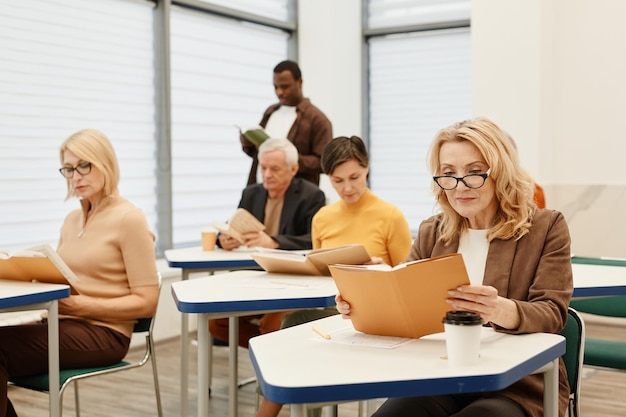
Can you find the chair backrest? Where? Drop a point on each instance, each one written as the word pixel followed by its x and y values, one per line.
pixel 143 325
pixel 613 306
pixel 574 333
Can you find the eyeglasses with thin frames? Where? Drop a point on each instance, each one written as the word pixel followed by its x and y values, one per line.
pixel 472 181
pixel 83 168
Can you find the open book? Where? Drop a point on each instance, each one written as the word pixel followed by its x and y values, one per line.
pixel 256 135
pixel 314 262
pixel 408 300
pixel 39 263
pixel 240 223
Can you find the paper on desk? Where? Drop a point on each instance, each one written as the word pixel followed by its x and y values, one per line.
pixel 349 336
pixel 277 283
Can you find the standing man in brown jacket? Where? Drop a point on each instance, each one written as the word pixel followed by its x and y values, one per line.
pixel 295 118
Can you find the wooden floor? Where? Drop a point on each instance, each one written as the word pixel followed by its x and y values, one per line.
pixel 130 393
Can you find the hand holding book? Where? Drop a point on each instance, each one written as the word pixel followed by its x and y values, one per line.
pixel 240 223
pixel 256 135
pixel 39 263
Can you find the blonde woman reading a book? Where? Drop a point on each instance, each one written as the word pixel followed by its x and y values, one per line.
pixel 517 257
pixel 106 242
pixel 358 217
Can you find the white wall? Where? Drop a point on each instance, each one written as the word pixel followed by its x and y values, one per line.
pixel 330 56
pixel 552 74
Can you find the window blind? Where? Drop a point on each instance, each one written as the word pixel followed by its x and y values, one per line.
pixel 275 9
pixel 221 77
pixel 66 65
pixel 394 13
pixel 419 83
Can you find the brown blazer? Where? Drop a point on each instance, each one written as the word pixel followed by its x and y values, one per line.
pixel 310 133
pixel 536 273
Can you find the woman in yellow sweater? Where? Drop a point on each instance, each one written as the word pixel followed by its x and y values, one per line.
pixel 358 217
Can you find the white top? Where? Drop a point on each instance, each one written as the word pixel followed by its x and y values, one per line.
pixel 474 248
pixel 280 122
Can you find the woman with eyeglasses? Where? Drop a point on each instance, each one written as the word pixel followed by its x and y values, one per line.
pixel 108 245
pixel 517 258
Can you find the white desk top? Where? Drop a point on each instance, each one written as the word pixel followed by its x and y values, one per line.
pixel 598 280
pixel 19 293
pixel 296 365
pixel 243 292
pixel 196 258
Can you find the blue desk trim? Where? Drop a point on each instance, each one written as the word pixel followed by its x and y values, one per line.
pixel 455 385
pixel 221 264
pixel 43 297
pixel 253 305
pixel 599 291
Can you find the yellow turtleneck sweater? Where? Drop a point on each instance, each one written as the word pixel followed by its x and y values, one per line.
pixel 378 225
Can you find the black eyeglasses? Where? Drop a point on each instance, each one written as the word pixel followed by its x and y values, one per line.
pixel 472 181
pixel 83 168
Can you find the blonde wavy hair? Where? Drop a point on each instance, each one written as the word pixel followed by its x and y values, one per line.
pixel 514 187
pixel 91 145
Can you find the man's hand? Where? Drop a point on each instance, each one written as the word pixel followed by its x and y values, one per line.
pixel 261 239
pixel 228 242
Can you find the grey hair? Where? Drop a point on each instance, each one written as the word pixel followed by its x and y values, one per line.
pixel 281 144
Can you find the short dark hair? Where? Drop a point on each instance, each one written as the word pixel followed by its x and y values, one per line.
pixel 343 149
pixel 290 66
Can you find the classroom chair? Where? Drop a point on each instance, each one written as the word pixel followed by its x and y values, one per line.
pixel 602 353
pixel 68 376
pixel 574 333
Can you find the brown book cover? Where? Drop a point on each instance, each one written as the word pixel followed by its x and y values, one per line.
pixel 408 300
pixel 39 263
pixel 314 262
pixel 240 223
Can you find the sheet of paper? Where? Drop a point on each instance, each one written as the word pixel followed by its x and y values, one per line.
pixel 349 336
pixel 278 283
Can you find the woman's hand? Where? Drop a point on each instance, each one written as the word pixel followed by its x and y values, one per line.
pixel 141 302
pixel 72 305
pixel 375 260
pixel 342 306
pixel 485 301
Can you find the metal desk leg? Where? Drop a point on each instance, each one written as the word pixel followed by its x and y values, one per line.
pixel 53 358
pixel 233 360
pixel 203 365
pixel 298 410
pixel 184 359
pixel 551 390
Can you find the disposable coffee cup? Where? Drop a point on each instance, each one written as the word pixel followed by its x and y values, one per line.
pixel 462 330
pixel 209 237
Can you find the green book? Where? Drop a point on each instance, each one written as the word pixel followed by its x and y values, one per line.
pixel 255 135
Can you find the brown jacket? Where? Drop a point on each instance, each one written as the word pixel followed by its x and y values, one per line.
pixel 310 133
pixel 535 272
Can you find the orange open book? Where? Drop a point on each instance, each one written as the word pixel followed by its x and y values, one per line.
pixel 405 301
pixel 314 262
pixel 39 263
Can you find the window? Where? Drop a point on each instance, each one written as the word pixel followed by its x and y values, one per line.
pixel 420 81
pixel 66 66
pixel 221 77
pixel 70 64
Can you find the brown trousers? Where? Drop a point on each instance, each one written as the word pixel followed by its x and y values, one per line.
pixel 24 351
pixel 249 326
